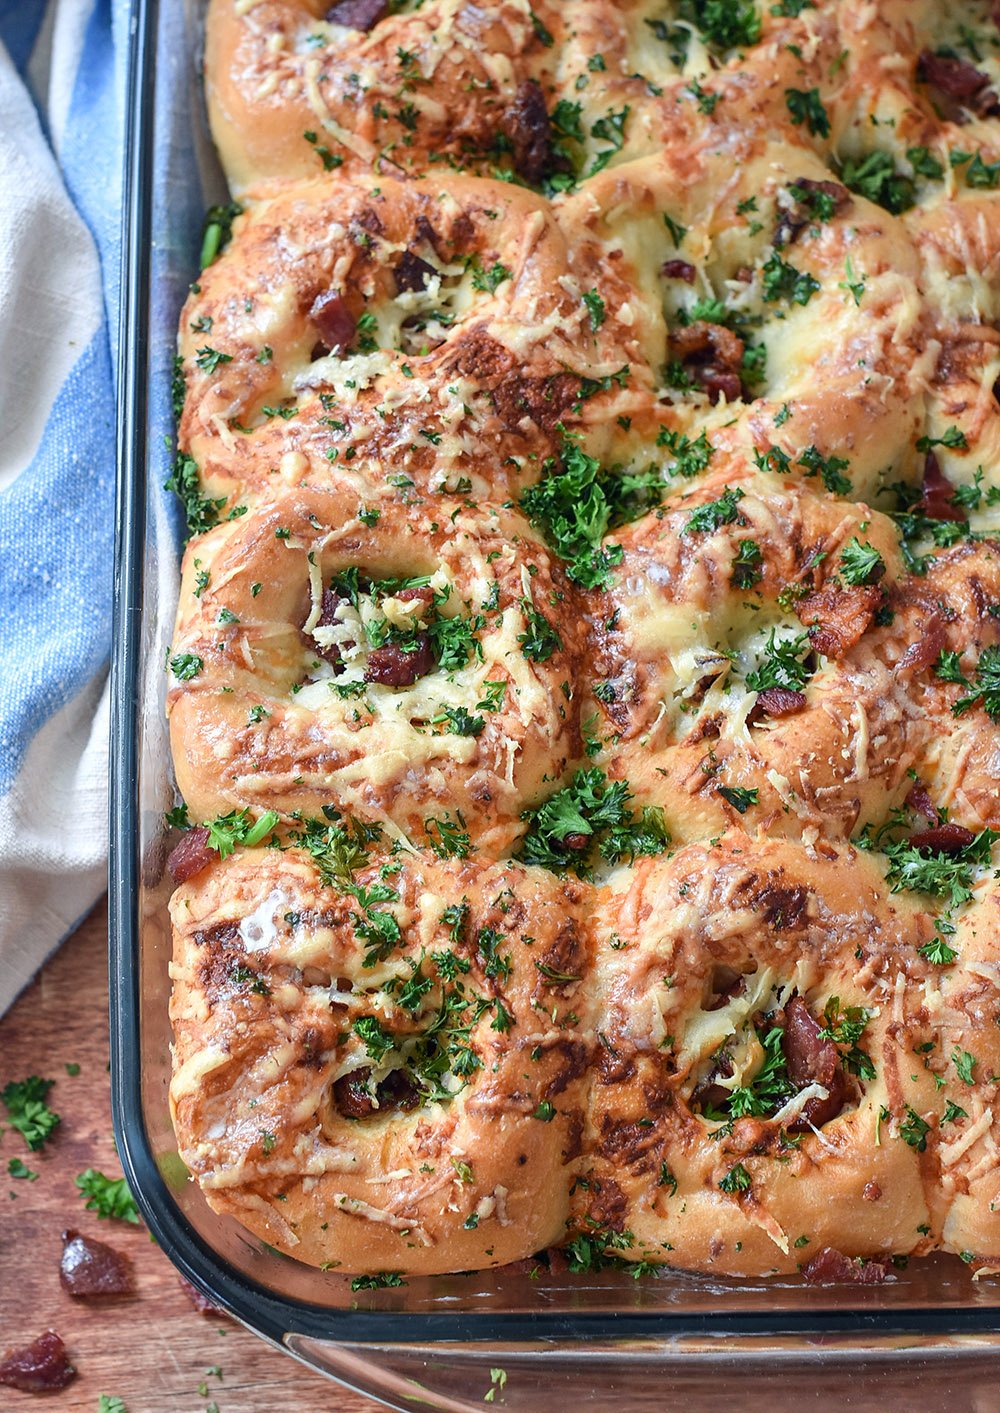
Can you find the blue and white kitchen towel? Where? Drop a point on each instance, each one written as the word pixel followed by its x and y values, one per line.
pixel 61 106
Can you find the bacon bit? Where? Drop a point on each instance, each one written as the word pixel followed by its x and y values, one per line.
pixel 89 1267
pixel 713 355
pixel 943 839
pixel 926 650
pixel 330 652
pixel 527 127
pixel 832 1267
pixel 200 1302
pixel 357 14
pixel 959 80
pixel 351 1095
pixel 919 800
pixel 39 1367
pixel 796 218
pixel 776 701
pixel 871 1192
pixel 575 842
pixel 418 593
pixel 190 855
pixel 936 497
pixel 412 273
pixel 837 618
pixel 393 666
pixel 333 319
pixel 812 1060
pixel 679 270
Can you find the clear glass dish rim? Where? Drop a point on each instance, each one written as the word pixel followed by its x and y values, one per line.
pixel 271 1315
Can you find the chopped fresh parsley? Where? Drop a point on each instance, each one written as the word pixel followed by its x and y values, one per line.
pixel 807 107
pixel 239 827
pixel 747 565
pixel 591 814
pixel 18 1168
pixel 780 280
pixel 914 1130
pixel 27 1111
pixel 218 230
pixel 690 457
pixel 740 799
pixel 595 308
pixel 379 1280
pixel 201 511
pixel 860 563
pixel 781 665
pixel 715 513
pixel 577 502
pixel 185 666
pixel 108 1197
pixel 875 178
pixel 736 1180
pixel 208 359
pixel 986 685
pixel 488 281
pixel 539 639
pixel 941 875
pixel 448 837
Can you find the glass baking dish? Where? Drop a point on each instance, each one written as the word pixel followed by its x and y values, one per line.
pixel 445 1342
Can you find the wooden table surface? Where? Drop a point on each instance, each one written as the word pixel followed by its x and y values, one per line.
pixel 153 1349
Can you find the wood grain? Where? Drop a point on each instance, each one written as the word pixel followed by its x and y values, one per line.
pixel 153 1349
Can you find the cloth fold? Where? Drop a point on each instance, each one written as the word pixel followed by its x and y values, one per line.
pixel 61 124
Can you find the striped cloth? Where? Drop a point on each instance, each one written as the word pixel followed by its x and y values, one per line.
pixel 61 103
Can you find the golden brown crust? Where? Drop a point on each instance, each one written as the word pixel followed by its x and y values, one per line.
pixel 452 1148
pixel 600 405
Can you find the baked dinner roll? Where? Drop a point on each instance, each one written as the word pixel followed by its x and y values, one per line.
pixel 429 331
pixel 380 1071
pixel 918 96
pixel 757 1097
pixel 956 237
pixel 781 308
pixel 966 1056
pixel 740 664
pixel 295 87
pixel 333 652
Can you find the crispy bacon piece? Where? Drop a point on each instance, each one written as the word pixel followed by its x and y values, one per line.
pixel 526 126
pixel 955 79
pixel 776 701
pixel 351 1096
pixel 795 218
pixel 713 355
pixel 926 649
pixel 357 14
pixel 943 839
pixel 396 1091
pixel 832 1267
pixel 89 1267
pixel 919 800
pixel 812 1060
pixel 333 319
pixel 331 652
pixel 200 1302
pixel 190 855
pixel 679 270
pixel 837 618
pixel 411 272
pixel 393 666
pixel 936 499
pixel 39 1367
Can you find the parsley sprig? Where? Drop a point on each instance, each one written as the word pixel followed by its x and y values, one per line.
pixel 591 815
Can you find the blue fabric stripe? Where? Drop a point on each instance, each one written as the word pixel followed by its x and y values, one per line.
pixel 20 22
pixel 55 559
